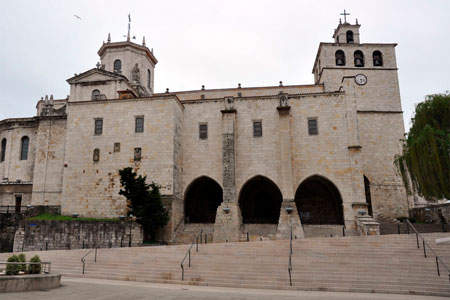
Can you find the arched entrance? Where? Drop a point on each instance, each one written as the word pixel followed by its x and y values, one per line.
pixel 202 198
pixel 260 201
pixel 319 202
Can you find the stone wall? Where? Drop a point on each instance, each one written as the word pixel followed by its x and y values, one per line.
pixel 49 162
pixel 91 188
pixel 60 235
pixel 14 169
pixel 9 222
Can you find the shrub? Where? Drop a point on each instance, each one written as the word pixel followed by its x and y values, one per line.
pixel 35 269
pixel 22 268
pixel 12 269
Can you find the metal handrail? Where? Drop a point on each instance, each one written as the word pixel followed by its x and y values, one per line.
pixel 188 253
pixel 424 244
pixel 290 258
pixel 12 208
pixel 83 260
pixel 45 263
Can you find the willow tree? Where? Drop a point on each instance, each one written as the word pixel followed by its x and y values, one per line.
pixel 425 162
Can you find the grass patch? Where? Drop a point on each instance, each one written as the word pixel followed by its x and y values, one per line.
pixel 51 217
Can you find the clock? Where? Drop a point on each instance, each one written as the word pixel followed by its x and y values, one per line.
pixel 361 79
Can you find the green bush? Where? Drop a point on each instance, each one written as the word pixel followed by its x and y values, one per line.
pixel 35 269
pixel 12 269
pixel 22 268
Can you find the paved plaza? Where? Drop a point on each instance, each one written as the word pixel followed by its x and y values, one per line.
pixel 85 288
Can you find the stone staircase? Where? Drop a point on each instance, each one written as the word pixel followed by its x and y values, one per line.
pixel 373 264
pixel 187 232
pixel 391 226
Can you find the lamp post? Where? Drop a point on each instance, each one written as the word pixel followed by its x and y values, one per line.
pixel 131 224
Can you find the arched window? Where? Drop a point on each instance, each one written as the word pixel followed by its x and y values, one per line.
pixel 3 151
pixel 149 79
pixel 95 94
pixel 359 58
pixel 25 141
pixel 377 59
pixel 96 155
pixel 117 66
pixel 349 35
pixel 340 58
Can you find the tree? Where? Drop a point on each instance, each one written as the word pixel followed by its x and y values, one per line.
pixel 144 201
pixel 425 162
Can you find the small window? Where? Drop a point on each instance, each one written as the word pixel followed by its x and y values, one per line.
pixel 239 94
pixel 98 126
pixel 116 147
pixel 203 131
pixel 96 155
pixel 117 66
pixel 149 79
pixel 312 127
pixel 95 95
pixel 202 96
pixel 377 59
pixel 25 141
pixel 137 154
pixel 359 58
pixel 340 58
pixel 349 35
pixel 139 124
pixel 3 151
pixel 257 128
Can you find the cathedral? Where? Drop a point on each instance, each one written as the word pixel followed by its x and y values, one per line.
pixel 233 161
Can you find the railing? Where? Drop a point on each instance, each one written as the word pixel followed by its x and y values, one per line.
pixel 188 253
pixel 290 258
pixel 83 259
pixel 46 267
pixel 424 245
pixel 14 209
pixel 444 228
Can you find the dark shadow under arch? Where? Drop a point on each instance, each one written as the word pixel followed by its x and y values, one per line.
pixel 260 201
pixel 319 202
pixel 202 198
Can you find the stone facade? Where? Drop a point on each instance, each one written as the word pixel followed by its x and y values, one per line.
pixel 288 140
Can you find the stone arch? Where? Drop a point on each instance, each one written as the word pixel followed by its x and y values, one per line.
pixel 319 202
pixel 359 58
pixel 349 36
pixel 340 58
pixel 377 58
pixel 202 197
pixel 260 201
pixel 117 66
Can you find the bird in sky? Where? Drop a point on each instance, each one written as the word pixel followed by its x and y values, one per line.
pixel 77 17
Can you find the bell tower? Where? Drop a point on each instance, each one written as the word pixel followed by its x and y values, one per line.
pixel 136 62
pixel 372 67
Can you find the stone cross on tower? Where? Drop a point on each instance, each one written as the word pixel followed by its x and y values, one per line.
pixel 345 14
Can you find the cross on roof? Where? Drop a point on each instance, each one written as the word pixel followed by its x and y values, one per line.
pixel 345 14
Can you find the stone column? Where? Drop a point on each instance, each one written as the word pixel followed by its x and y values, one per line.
pixel 228 215
pixel 288 214
pixel 354 152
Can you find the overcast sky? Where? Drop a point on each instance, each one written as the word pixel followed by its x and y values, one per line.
pixel 215 43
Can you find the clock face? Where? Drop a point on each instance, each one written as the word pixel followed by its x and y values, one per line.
pixel 361 79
